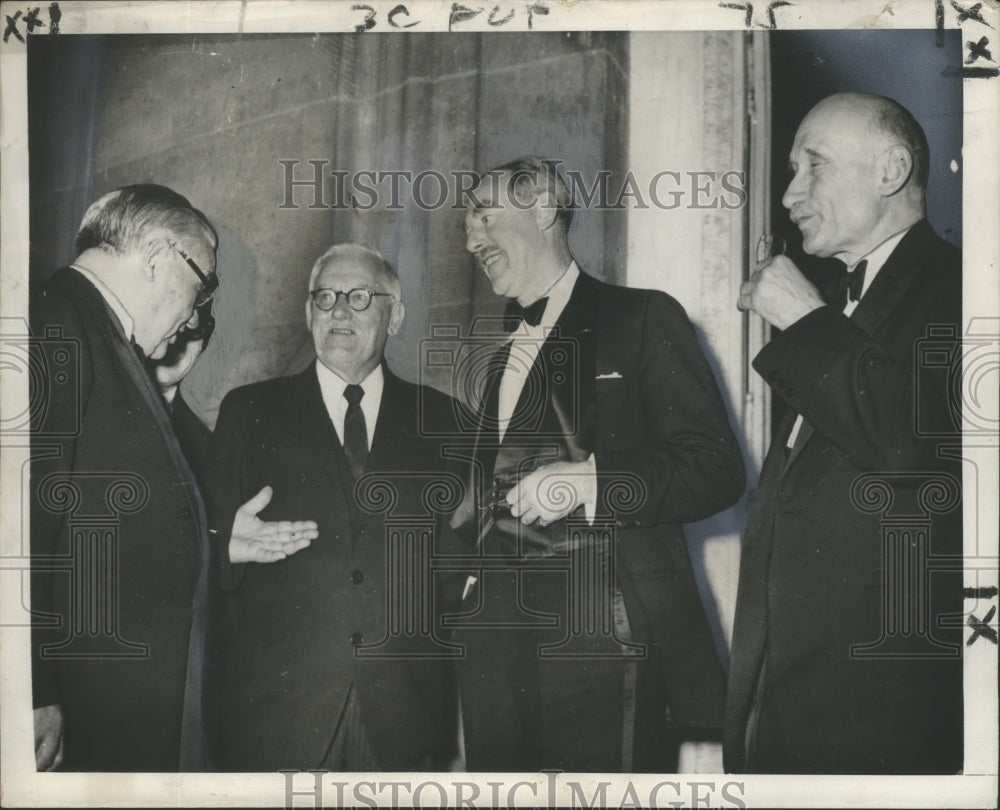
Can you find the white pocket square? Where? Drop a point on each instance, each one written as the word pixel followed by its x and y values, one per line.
pixel 611 375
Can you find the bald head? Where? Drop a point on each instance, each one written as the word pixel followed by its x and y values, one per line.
pixel 860 173
pixel 888 122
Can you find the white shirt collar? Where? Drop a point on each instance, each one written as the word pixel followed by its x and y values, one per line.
pixel 558 294
pixel 332 385
pixel 112 300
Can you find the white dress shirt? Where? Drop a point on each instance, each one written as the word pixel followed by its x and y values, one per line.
pixel 112 300
pixel 332 386
pixel 876 258
pixel 525 343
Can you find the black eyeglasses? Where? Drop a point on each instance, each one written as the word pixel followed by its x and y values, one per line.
pixel 358 299
pixel 209 284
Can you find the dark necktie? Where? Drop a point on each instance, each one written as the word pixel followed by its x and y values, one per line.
pixel 355 431
pixel 531 314
pixel 850 285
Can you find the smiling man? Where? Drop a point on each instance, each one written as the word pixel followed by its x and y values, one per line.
pixel 120 604
pixel 313 679
pixel 601 430
pixel 847 647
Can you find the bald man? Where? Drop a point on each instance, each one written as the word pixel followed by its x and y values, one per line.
pixel 841 662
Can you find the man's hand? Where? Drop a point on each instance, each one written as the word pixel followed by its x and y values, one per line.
pixel 552 492
pixel 779 293
pixel 48 738
pixel 253 540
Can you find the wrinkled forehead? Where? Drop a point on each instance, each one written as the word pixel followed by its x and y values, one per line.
pixel 499 190
pixel 349 272
pixel 836 127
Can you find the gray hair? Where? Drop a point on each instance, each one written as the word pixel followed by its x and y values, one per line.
pixel 540 178
pixel 355 250
pixel 122 219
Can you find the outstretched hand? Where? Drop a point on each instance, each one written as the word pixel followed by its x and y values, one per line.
pixel 254 540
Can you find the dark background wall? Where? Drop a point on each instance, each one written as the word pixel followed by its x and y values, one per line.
pixel 211 116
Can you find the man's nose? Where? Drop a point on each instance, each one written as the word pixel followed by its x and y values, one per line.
pixel 341 309
pixel 474 239
pixel 794 193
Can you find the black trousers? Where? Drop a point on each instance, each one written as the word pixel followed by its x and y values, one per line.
pixel 599 706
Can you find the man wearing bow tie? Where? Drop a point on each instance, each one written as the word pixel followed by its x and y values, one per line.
pixel 600 431
pixel 843 661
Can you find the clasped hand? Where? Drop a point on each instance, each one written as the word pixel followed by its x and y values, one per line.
pixel 552 492
pixel 779 293
pixel 254 540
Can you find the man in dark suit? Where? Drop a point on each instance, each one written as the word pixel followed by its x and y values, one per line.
pixel 844 660
pixel 601 430
pixel 332 658
pixel 119 536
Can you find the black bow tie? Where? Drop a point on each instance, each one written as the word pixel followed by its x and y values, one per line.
pixel 531 314
pixel 850 284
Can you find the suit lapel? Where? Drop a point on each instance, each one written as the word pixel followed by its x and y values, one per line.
pixel 564 369
pixel 308 415
pixel 890 285
pixel 394 427
pixel 394 436
pixel 115 337
pixel 894 279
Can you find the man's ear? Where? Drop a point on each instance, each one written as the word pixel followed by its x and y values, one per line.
pixel 154 254
pixel 545 211
pixel 894 169
pixel 309 313
pixel 396 317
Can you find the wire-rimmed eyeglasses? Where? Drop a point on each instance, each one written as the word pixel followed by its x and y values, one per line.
pixel 209 284
pixel 358 299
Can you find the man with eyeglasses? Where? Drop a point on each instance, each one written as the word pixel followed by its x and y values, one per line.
pixel 333 662
pixel 119 533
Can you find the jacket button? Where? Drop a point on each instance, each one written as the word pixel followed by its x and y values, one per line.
pixel 186 513
pixel 357 639
pixel 357 577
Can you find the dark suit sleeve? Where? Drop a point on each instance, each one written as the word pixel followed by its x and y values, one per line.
pixel 687 456
pixel 226 482
pixel 55 423
pixel 862 394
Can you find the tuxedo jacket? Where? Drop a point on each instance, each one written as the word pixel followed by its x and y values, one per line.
pixel 829 670
pixel 119 544
pixel 341 611
pixel 641 397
